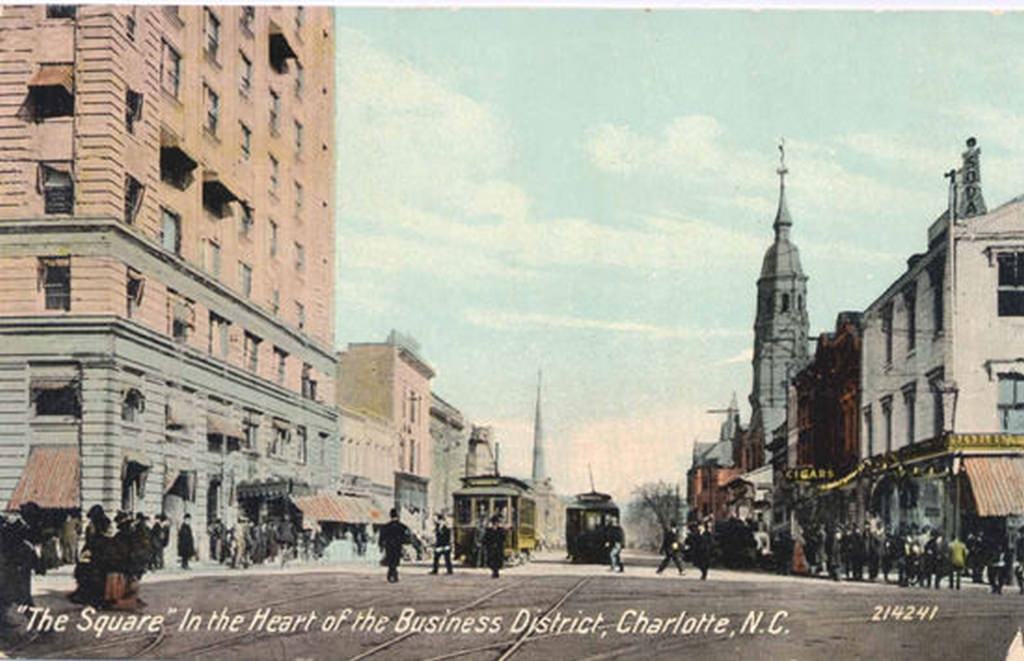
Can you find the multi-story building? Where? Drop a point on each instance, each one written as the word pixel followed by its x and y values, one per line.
pixel 450 442
pixel 712 467
pixel 166 256
pixel 390 382
pixel 943 379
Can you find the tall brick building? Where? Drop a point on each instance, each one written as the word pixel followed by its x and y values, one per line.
pixel 166 257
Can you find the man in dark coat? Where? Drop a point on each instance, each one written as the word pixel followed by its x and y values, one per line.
pixel 494 543
pixel 186 542
pixel 442 544
pixel 393 535
pixel 699 543
pixel 670 548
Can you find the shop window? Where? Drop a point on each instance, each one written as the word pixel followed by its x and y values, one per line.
pixel 134 290
pixel 56 397
pixel 1011 403
pixel 57 188
pixel 132 109
pixel 133 405
pixel 55 282
pixel 133 191
pixel 1011 284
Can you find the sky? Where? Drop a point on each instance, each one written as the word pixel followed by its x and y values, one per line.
pixel 590 193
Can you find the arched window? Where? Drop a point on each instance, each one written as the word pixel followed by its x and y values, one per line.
pixel 785 303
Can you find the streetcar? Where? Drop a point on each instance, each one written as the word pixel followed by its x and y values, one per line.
pixel 587 518
pixel 484 496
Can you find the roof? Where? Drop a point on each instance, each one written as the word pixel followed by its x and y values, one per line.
pixel 716 453
pixel 997 484
pixel 781 259
pixel 50 479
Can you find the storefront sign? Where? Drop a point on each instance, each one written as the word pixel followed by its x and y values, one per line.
pixel 985 441
pixel 809 474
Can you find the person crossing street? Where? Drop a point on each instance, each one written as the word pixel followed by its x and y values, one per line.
pixel 442 544
pixel 670 548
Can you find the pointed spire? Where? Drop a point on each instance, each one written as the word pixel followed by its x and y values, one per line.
pixel 782 220
pixel 539 470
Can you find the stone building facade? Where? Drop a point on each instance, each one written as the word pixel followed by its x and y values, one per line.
pixel 449 434
pixel 166 254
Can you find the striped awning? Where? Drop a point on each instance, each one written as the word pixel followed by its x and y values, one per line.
pixel 335 509
pixel 997 484
pixel 50 479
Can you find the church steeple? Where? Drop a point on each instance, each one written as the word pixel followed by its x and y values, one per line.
pixel 539 469
pixel 782 219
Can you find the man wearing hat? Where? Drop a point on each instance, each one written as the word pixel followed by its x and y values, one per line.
pixel 442 544
pixel 393 535
pixel 494 543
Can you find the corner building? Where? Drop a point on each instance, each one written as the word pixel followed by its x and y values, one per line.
pixel 166 258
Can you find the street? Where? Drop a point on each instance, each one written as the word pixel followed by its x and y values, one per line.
pixel 590 614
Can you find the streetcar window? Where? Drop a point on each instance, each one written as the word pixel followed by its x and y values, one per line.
pixel 463 511
pixel 481 510
pixel 501 509
pixel 592 521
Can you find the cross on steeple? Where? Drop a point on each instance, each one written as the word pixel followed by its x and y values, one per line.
pixel 782 161
pixel 782 219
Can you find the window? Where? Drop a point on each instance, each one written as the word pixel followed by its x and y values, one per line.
pixel 212 109
pixel 245 76
pixel 274 172
pixel 245 279
pixel 298 198
pixel 300 315
pixel 887 331
pixel 784 306
pixel 298 139
pixel 212 35
pixel 303 449
pixel 170 231
pixel 246 141
pixel 170 69
pixel 61 11
pixel 132 109
pixel 57 188
pixel 281 360
pixel 182 316
pixel 1011 284
pixel 300 79
pixel 251 351
pixel 909 405
pixel 213 257
pixel 937 276
pixel 245 221
pixel 300 257
pixel 938 419
pixel 133 405
pixel 300 17
pixel 132 198
pixel 129 24
pixel 275 302
pixel 869 431
pixel 282 438
pixel 55 281
pixel 51 93
pixel 910 304
pixel 218 340
pixel 887 422
pixel 134 290
pixel 273 239
pixel 56 397
pixel 250 429
pixel 1011 403
pixel 308 382
pixel 247 18
pixel 275 112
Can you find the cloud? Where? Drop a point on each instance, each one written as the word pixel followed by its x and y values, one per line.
pixel 505 320
pixel 742 357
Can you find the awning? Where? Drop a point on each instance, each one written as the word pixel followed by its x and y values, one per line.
pixel 263 490
pixel 172 155
pixel 177 412
pixel 222 425
pixel 51 478
pixel 997 484
pixel 54 75
pixel 330 508
pixel 216 191
pixel 280 49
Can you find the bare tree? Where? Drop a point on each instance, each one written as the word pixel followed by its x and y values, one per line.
pixel 653 507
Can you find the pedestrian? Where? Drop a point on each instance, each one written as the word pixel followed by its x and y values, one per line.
pixel 393 535
pixel 976 556
pixel 442 544
pixel 890 553
pixel 69 534
pixel 160 536
pixel 494 542
pixel 670 548
pixel 615 539
pixel 996 566
pixel 957 561
pixel 479 551
pixel 931 559
pixel 186 542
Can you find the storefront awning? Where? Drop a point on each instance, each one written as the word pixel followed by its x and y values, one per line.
pixel 270 489
pixel 330 508
pixel 997 484
pixel 223 426
pixel 50 478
